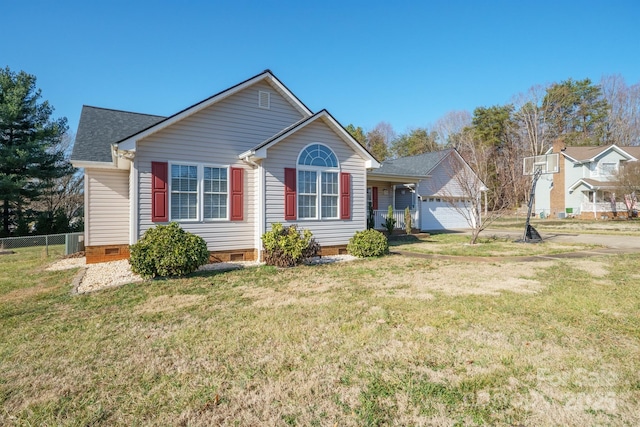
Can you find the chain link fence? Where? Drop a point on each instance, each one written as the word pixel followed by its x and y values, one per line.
pixel 73 242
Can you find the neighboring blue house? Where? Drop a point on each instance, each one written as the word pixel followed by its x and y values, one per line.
pixel 585 183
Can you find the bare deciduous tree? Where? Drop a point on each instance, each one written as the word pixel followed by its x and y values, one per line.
pixel 450 126
pixel 379 140
pixel 61 204
pixel 529 121
pixel 623 122
pixel 466 191
pixel 628 179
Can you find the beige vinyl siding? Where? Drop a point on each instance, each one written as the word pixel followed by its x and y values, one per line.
pixel 442 183
pixel 285 155
pixel 216 136
pixel 107 211
pixel 384 200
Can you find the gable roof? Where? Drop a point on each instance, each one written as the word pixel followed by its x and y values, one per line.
pixel 418 166
pixel 101 127
pixel 593 184
pixel 590 154
pixel 129 142
pixel 260 151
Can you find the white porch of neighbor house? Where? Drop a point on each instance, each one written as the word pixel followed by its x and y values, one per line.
pixel 600 203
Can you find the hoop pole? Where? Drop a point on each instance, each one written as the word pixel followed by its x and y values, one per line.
pixel 532 195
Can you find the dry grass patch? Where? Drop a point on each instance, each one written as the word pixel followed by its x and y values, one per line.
pixel 595 268
pixel 391 341
pixel 486 246
pixel 454 278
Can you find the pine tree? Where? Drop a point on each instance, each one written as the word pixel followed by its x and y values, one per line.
pixel 29 136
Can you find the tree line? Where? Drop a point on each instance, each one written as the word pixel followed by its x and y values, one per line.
pixel 495 139
pixel 40 191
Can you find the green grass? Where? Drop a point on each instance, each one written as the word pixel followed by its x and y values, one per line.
pixel 372 342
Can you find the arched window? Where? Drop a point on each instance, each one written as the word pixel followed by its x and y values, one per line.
pixel 318 183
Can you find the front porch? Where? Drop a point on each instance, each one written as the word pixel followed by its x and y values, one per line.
pixel 603 210
pixel 380 218
pixel 399 194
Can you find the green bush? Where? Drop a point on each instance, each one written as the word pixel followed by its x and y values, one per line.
pixel 368 243
pixel 287 246
pixel 390 221
pixel 407 220
pixel 168 250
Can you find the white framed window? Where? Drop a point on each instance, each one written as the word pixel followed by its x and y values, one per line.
pixel 330 190
pixel 199 192
pixel 608 168
pixel 318 183
pixel 215 192
pixel 184 192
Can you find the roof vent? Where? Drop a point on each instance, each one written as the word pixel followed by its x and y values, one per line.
pixel 264 99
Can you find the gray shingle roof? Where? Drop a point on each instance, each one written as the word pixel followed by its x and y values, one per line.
pixel 419 165
pixel 101 127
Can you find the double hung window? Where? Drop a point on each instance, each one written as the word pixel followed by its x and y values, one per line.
pixel 318 183
pixel 198 192
pixel 184 192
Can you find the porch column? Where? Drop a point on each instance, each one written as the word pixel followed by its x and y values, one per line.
pixel 595 208
pixel 393 196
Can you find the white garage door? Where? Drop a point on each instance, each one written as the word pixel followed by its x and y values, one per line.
pixel 439 214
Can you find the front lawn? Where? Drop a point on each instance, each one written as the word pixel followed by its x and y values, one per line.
pixel 390 341
pixel 457 244
pixel 571 225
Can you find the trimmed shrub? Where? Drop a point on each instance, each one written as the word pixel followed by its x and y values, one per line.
pixel 390 221
pixel 287 246
pixel 407 220
pixel 368 243
pixel 168 250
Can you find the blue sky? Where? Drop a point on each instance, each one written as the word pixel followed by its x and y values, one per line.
pixel 406 63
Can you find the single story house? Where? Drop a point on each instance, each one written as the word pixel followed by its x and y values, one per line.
pixel 231 165
pixel 585 182
pixel 225 168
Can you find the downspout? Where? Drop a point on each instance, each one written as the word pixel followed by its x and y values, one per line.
pixel 114 154
pixel 393 196
pixel 251 162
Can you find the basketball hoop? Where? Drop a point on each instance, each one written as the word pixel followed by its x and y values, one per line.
pixel 537 166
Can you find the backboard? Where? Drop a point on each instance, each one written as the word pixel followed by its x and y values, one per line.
pixel 546 163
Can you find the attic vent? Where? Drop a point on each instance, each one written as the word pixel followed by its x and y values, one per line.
pixel 264 99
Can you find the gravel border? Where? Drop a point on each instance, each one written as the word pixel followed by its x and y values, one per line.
pixel 104 275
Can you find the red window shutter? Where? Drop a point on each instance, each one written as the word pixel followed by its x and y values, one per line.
pixel 237 194
pixel 159 192
pixel 290 194
pixel 374 197
pixel 345 195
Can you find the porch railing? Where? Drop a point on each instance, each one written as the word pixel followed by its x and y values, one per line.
pixel 586 207
pixel 380 217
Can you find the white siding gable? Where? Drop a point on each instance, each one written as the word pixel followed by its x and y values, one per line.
pixel 216 136
pixel 285 155
pixel 443 181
